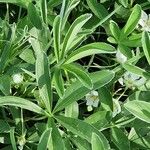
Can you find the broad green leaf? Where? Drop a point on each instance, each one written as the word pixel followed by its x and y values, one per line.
pixel 34 16
pixel 133 20
pixel 80 74
pixel 42 74
pixel 73 31
pixel 82 129
pixel 43 143
pixel 106 98
pixel 44 10
pixel 56 34
pixel 97 143
pixel 58 82
pixel 120 139
pixel 12 138
pixel 20 102
pixel 77 91
pixel 57 140
pixel 139 109
pixel 72 110
pixel 90 49
pixel 114 28
pixel 146 45
pixel 133 69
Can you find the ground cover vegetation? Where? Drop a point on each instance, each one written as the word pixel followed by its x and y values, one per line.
pixel 74 74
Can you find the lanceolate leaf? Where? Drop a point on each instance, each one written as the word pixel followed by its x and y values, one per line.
pixel 42 74
pixel 90 49
pixel 133 20
pixel 43 143
pixel 139 109
pixel 20 102
pixel 80 74
pixel 77 91
pixel 73 31
pixel 97 143
pixel 82 129
pixel 120 139
pixel 34 16
pixel 44 10
pixel 146 45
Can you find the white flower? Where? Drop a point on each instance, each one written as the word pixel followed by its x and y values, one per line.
pixel 120 57
pixel 132 80
pixel 116 108
pixel 144 22
pixel 92 99
pixel 17 78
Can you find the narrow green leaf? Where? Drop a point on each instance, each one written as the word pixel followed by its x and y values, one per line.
pixel 146 45
pixel 120 139
pixel 90 49
pixel 56 34
pixel 12 138
pixel 20 102
pixel 139 109
pixel 42 74
pixel 97 143
pixel 77 91
pixel 82 129
pixel 44 10
pixel 80 74
pixel 58 82
pixel 43 143
pixel 73 31
pixel 34 16
pixel 133 20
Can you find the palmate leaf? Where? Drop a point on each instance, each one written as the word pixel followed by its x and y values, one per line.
pixel 90 49
pixel 22 103
pixel 139 109
pixel 82 129
pixel 80 74
pixel 73 31
pixel 77 91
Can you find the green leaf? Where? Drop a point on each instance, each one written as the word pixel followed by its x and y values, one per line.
pixel 58 82
pixel 72 110
pixel 98 9
pixel 146 45
pixel 114 28
pixel 133 20
pixel 57 140
pixel 106 98
pixel 82 129
pixel 120 139
pixel 124 3
pixel 77 91
pixel 43 143
pixel 97 143
pixel 73 31
pixel 139 109
pixel 80 74
pixel 42 74
pixel 44 10
pixel 20 102
pixel 4 126
pixel 56 34
pixel 12 138
pixel 34 16
pixel 90 49
pixel 5 84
